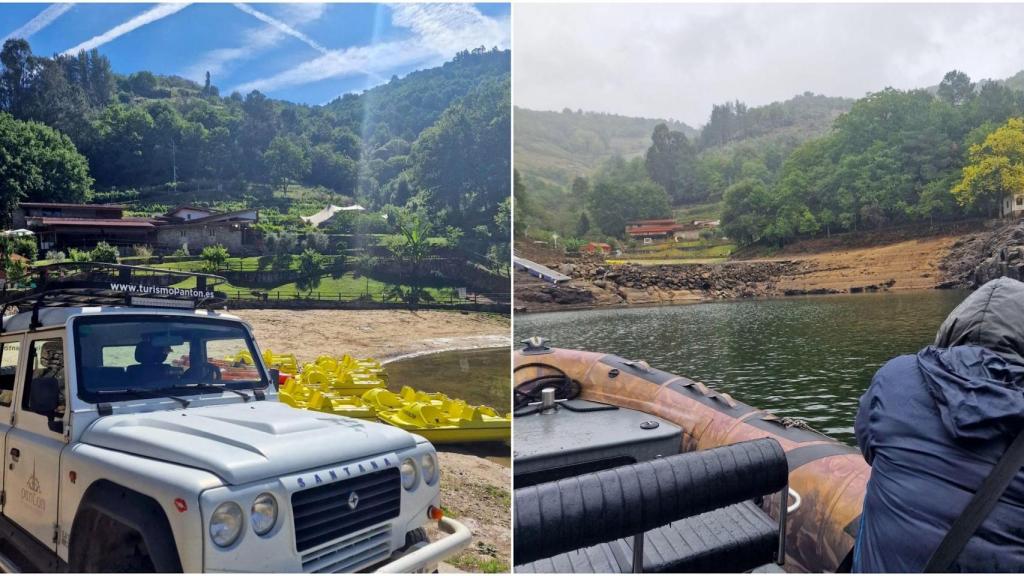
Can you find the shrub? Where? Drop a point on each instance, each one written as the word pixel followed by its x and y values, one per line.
pixel 76 255
pixel 317 241
pixel 182 252
pixel 142 251
pixel 573 245
pixel 104 252
pixel 55 256
pixel 25 246
pixel 214 257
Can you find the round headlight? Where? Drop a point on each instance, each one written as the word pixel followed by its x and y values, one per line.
pixel 226 524
pixel 429 465
pixel 264 513
pixel 409 474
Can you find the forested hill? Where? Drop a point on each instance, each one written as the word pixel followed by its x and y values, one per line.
pixel 558 146
pixel 435 141
pixel 406 106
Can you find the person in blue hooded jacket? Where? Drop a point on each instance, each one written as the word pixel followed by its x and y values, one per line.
pixel 932 426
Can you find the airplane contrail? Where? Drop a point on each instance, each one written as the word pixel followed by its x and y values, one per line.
pixel 41 20
pixel 147 17
pixel 282 27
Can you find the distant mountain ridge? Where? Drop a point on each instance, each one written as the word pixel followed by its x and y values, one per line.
pixel 558 146
pixel 555 147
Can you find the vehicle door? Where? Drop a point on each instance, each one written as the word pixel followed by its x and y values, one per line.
pixel 35 442
pixel 9 348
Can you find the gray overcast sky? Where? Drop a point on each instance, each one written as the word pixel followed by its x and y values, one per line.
pixel 676 60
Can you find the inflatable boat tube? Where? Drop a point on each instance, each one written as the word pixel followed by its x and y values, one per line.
pixel 828 477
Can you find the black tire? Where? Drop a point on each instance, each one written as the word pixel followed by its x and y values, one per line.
pixel 116 548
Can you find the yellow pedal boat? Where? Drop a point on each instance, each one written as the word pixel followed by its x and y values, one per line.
pixel 460 422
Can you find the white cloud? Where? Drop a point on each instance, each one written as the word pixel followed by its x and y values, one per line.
pixel 438 32
pixel 41 20
pixel 675 61
pixel 149 16
pixel 256 41
pixel 282 27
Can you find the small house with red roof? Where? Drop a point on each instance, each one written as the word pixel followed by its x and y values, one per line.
pixel 653 231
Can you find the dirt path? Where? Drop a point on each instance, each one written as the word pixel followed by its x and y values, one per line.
pixel 474 489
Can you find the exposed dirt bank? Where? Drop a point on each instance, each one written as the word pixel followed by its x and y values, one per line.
pixel 474 489
pixel 830 266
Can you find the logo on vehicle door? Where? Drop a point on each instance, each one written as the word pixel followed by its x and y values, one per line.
pixel 31 493
pixel 353 500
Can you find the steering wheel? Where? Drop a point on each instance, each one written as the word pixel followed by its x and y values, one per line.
pixel 203 372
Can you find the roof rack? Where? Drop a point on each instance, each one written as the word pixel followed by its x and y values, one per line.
pixel 102 284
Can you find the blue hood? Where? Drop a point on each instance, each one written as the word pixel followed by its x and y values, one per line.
pixel 975 371
pixel 978 392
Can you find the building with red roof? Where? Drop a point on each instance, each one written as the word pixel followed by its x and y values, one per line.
pixel 651 231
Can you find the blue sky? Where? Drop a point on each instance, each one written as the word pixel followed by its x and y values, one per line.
pixel 307 53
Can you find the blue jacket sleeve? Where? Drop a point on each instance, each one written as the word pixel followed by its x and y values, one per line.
pixel 868 412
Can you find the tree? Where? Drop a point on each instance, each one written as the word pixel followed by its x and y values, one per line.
pixel 285 161
pixel 583 226
pixel 672 163
pixel 214 257
pixel 580 188
pixel 411 248
pixel 37 163
pixel 612 204
pixel 956 88
pixel 311 269
pixel 995 168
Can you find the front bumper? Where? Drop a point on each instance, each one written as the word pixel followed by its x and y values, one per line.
pixel 425 559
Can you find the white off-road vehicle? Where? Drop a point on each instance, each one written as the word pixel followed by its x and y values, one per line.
pixel 129 444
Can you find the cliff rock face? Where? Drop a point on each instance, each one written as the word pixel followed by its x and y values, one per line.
pixel 977 258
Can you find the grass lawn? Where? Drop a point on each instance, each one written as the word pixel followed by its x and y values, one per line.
pixel 706 211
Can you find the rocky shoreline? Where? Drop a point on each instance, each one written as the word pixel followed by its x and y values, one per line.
pixel 952 261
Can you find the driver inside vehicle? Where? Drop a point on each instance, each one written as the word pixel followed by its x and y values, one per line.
pixel 151 358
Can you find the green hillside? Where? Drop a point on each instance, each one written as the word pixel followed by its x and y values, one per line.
pixel 555 147
pixel 435 142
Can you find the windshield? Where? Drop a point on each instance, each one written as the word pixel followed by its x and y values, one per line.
pixel 122 357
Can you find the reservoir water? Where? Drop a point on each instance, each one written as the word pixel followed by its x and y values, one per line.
pixel 809 358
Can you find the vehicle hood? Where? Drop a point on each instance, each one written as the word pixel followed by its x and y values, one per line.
pixel 975 371
pixel 245 442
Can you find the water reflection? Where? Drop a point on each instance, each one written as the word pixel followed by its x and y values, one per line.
pixel 809 358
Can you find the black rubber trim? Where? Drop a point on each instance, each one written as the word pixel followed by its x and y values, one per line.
pixel 581 511
pixel 136 511
pixel 104 409
pixel 807 454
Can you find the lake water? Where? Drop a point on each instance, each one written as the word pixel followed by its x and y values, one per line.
pixel 809 358
pixel 481 376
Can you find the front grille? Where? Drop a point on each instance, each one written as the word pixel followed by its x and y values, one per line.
pixel 350 554
pixel 323 514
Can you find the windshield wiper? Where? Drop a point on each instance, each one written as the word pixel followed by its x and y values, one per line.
pixel 209 387
pixel 147 393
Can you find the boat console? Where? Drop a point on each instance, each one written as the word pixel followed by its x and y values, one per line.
pixel 577 436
